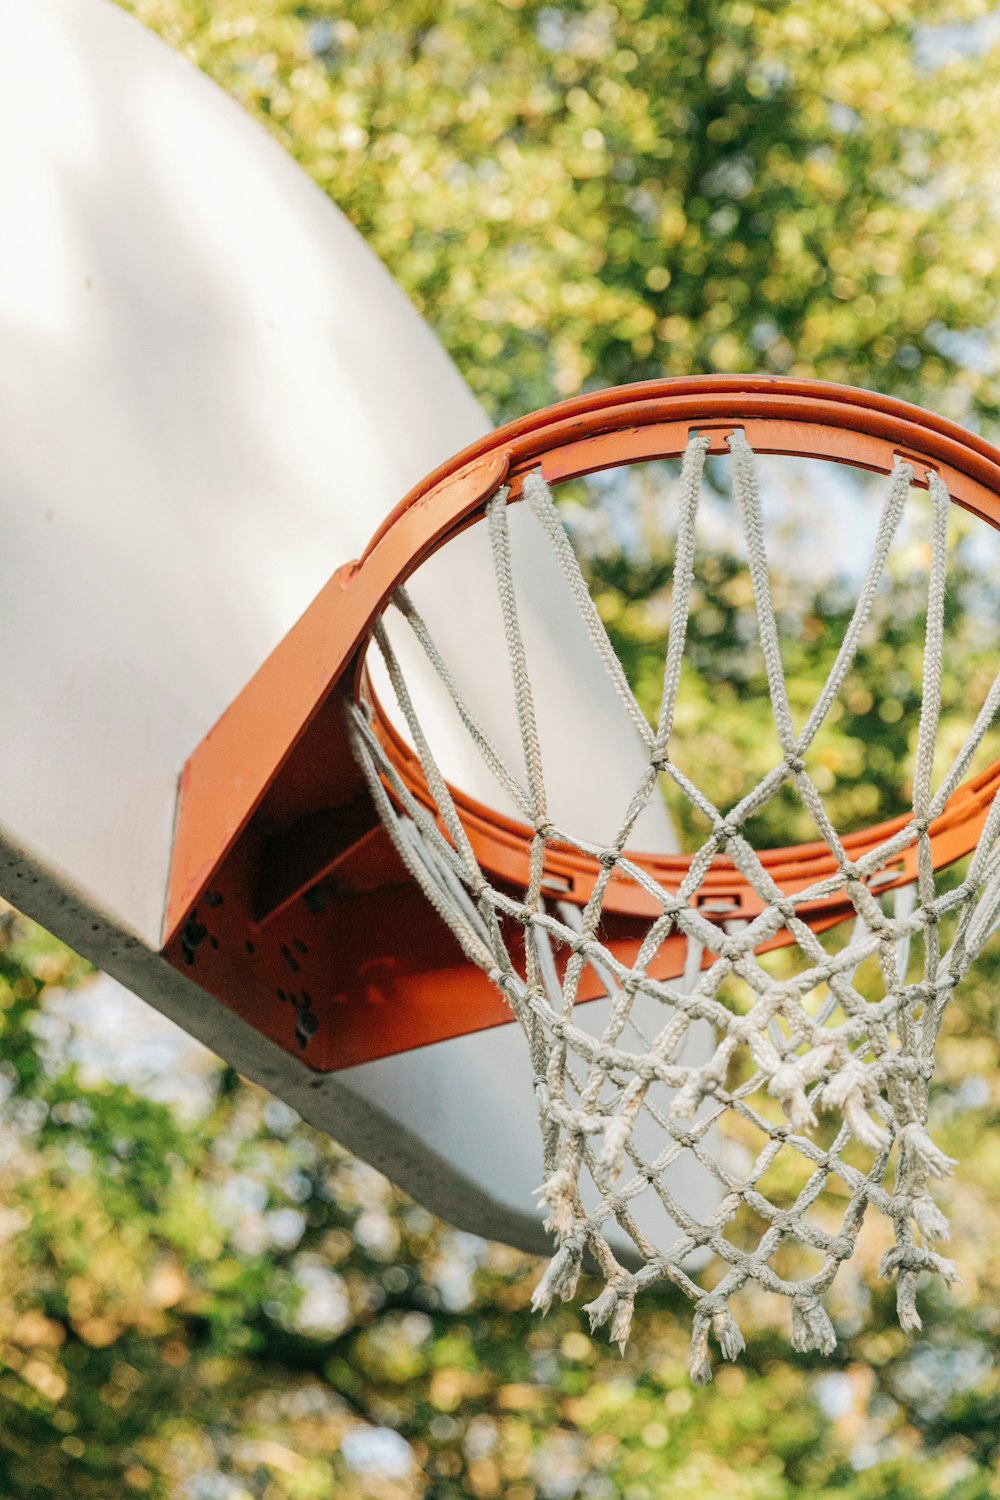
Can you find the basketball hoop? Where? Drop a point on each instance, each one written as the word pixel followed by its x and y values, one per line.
pixel 554 920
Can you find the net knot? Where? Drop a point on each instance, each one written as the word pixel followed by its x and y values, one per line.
pixel 852 1091
pixel 615 1305
pixel 660 761
pixel 608 858
pixel 922 1153
pixel 788 1085
pixel 726 829
pixel 560 1278
pixel 717 1318
pixel 905 1262
pixel 915 1258
pixel 921 825
pixel 794 762
pixel 929 1219
pixel 558 1194
pixel 709 1305
pixel 851 871
pixel 544 828
pixel 811 1326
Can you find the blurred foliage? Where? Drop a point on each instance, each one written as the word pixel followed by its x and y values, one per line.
pixel 218 1303
pixel 222 1303
pixel 589 193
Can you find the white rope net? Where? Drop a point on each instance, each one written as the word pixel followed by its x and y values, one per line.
pixel 808 1066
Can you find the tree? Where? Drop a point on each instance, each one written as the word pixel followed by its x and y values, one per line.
pixel 224 1304
pixel 593 193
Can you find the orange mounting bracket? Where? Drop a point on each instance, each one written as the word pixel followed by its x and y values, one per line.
pixel 286 899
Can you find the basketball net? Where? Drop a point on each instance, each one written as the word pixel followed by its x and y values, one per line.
pixel 808 1064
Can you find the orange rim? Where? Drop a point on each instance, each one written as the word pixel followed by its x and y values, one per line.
pixel 273 810
pixel 636 424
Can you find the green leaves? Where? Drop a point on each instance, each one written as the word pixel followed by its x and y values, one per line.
pixel 576 194
pixel 571 194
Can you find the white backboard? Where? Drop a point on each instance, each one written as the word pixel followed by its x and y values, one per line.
pixel 210 394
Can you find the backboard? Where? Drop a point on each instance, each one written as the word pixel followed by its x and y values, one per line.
pixel 197 356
